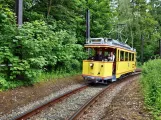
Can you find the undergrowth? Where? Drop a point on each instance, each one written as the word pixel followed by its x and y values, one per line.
pixel 151 86
pixel 41 77
pixel 48 76
pixel 139 65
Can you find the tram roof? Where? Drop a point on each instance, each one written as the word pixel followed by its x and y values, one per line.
pixel 107 42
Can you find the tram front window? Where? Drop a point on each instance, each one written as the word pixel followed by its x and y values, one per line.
pixel 101 54
pixel 91 53
pixel 95 54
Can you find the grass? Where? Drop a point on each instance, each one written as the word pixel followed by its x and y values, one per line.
pixel 5 85
pixel 54 75
pixel 42 77
pixel 151 86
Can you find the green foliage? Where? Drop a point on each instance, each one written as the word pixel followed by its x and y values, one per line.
pixel 100 17
pixel 55 75
pixel 7 26
pixel 11 66
pixel 151 84
pixel 34 48
pixel 52 36
pixel 136 19
pixel 32 16
pixel 44 48
pixel 139 65
pixel 71 14
pixel 3 83
pixel 9 3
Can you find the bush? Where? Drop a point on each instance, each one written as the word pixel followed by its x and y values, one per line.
pixel 3 83
pixel 34 48
pixel 43 47
pixel 151 84
pixel 139 64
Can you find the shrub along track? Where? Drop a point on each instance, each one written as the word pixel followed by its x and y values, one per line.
pixel 67 107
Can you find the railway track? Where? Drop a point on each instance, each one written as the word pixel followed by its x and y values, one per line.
pixel 84 109
pixel 38 109
pixel 64 106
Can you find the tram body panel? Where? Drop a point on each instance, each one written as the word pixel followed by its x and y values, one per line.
pixel 127 64
pixel 124 67
pixel 99 69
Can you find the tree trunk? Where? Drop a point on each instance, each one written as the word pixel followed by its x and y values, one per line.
pixel 49 8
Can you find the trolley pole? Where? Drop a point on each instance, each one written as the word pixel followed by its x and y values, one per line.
pixel 19 12
pixel 142 49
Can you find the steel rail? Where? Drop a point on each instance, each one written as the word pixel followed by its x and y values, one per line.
pixel 41 107
pixel 82 110
pixel 94 99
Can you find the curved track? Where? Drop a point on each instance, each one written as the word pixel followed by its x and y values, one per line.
pixel 38 109
pixel 78 114
pixel 81 97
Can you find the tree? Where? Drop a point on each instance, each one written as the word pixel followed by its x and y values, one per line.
pixel 100 17
pixel 137 20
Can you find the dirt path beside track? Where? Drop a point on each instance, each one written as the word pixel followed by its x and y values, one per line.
pixel 128 105
pixel 19 97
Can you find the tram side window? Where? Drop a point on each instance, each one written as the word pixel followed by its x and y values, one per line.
pixel 121 55
pixel 126 56
pixel 132 56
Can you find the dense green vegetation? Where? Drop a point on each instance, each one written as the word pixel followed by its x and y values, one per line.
pixel 52 36
pixel 38 47
pixel 151 84
pixel 50 43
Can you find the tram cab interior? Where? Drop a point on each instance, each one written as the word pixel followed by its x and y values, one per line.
pixel 107 55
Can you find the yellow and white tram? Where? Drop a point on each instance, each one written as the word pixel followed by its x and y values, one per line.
pixel 108 60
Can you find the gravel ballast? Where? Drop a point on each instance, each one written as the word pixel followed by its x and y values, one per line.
pixel 32 105
pixel 123 102
pixel 98 109
pixel 66 108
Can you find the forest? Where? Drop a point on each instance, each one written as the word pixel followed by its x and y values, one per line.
pixel 50 42
pixel 52 36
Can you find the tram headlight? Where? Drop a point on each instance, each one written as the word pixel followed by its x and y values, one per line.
pixel 91 64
